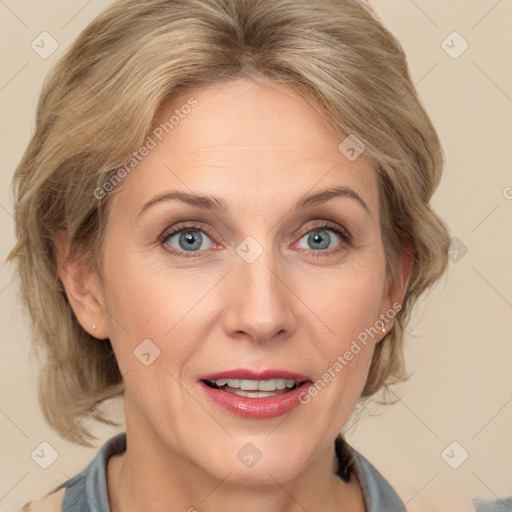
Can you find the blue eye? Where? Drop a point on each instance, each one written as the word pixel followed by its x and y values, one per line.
pixel 189 239
pixel 319 239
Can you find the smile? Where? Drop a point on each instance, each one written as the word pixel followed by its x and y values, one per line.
pixel 256 403
pixel 254 388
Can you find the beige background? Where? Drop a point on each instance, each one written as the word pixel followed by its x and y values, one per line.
pixel 459 346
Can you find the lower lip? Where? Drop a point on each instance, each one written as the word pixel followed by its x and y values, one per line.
pixel 257 408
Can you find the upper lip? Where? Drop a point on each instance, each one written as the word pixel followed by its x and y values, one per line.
pixel 247 374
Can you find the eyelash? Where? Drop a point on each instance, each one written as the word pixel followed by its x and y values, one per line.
pixel 345 236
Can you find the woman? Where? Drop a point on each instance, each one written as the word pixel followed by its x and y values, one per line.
pixel 223 216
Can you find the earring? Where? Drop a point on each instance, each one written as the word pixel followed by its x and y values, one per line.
pixel 383 329
pixel 94 326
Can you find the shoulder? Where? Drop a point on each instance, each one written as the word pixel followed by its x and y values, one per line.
pixel 378 493
pixel 498 505
pixel 50 503
pixel 72 495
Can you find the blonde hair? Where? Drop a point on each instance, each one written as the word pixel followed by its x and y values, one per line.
pixel 97 107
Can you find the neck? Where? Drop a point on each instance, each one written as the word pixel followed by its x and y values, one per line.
pixel 151 476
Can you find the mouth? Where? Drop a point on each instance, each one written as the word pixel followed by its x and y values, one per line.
pixel 256 394
pixel 255 388
pixel 255 383
pixel 256 399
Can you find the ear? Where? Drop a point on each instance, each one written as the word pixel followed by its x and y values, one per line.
pixel 395 291
pixel 84 289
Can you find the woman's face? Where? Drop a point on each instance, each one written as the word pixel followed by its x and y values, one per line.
pixel 270 281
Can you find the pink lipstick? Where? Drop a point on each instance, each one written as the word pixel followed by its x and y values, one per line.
pixel 255 394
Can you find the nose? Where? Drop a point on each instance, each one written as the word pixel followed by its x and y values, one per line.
pixel 260 300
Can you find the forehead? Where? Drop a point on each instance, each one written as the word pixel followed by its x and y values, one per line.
pixel 241 140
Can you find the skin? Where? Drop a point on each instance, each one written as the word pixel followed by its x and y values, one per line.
pixel 259 148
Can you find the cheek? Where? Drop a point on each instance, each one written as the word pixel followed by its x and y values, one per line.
pixel 348 302
pixel 169 308
pixel 152 337
pixel 350 307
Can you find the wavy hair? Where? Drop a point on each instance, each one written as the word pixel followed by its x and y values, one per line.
pixel 97 107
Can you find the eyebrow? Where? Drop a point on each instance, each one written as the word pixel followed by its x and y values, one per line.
pixel 217 204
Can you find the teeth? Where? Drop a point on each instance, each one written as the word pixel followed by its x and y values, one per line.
pixel 256 385
pixel 255 394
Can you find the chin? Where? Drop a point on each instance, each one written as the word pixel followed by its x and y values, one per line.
pixel 262 473
pixel 257 462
